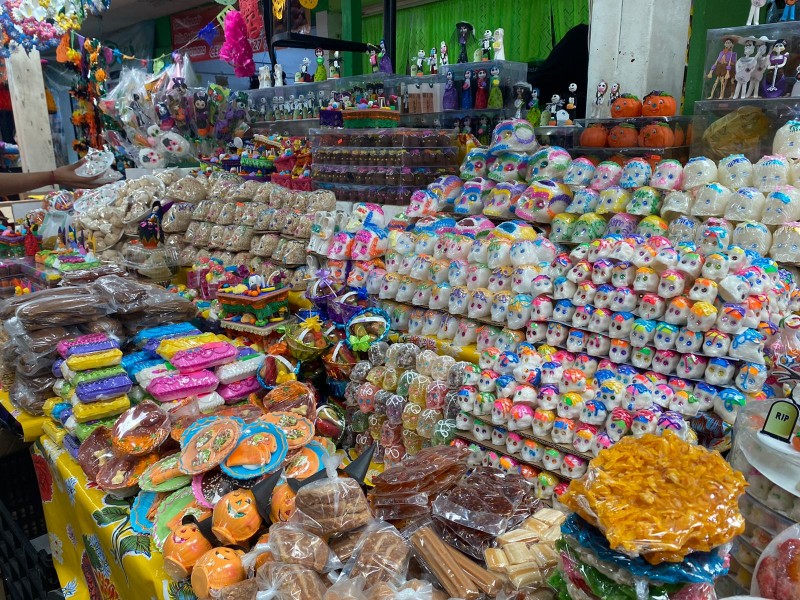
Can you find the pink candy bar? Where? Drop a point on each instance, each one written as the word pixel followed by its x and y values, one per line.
pixel 239 390
pixel 89 338
pixel 174 387
pixel 204 357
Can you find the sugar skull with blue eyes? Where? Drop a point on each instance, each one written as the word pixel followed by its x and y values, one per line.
pixel 751 377
pixel 735 171
pixel 642 332
pixel 683 228
pixel 699 171
pixel 635 173
pixel 563 310
pixel 676 204
pixel 668 175
pixel 576 341
pixel 523 252
pixel 543 284
pixel 613 199
pixel 607 174
pixel 457 272
pixel 771 172
pixel 500 304
pixel 584 200
pixel 753 236
pixel 689 341
pixel 509 339
pixel 711 200
pixel 513 135
pixel 645 201
pixel 562 227
pixel 480 304
pixel 447 189
pixel 549 162
pixel 519 311
pixel 579 173
pixel 475 164
pixel 786 244
pixel 665 336
pixel 782 205
pixel 473 196
pixel 728 403
pixel 502 199
pixel 651 226
pixel 543 200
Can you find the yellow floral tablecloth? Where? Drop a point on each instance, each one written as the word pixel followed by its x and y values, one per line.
pixel 30 427
pixel 96 553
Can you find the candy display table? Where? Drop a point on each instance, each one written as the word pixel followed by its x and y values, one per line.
pixel 95 551
pixel 27 426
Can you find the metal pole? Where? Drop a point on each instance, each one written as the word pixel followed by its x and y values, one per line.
pixel 390 30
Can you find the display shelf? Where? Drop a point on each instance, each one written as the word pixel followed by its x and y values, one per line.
pixel 551 444
pixel 262 331
pixel 468 437
pixel 465 353
pixel 755 511
pixel 446 118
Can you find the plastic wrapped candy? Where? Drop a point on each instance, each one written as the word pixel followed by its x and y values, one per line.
pixel 747 204
pixel 584 200
pixel 622 224
pixel 367 327
pixel 635 173
pixel 579 173
pixel 562 227
pixel 652 226
pixel 668 175
pixel 786 244
pixel 699 171
pixel 782 206
pixel 676 204
pixel 753 236
pixel 735 171
pixel 607 174
pixel 711 200
pixel 645 201
pixel 771 172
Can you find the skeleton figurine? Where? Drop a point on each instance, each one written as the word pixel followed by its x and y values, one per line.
pixel 599 100
pixel 264 77
pixel 486 45
pixel 444 57
pixel 613 93
pixel 418 67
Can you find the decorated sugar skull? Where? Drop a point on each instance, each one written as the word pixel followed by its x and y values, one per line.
pixel 557 334
pixel 747 204
pixel 487 336
pixel 481 430
pixel 623 274
pixel 579 173
pixel 466 334
pixel 705 394
pixel 601 271
pixel 644 421
pixel 734 288
pixel 458 301
pixel 665 336
pixel 426 242
pixel 552 460
pixel 341 245
pixel 522 279
pixel 499 435
pixel 535 332
pixel 620 351
pixel 474 196
pixel 623 225
pixel 499 306
pixel 711 200
pixel 748 345
pixel 570 405
pixel 702 317
pixel 532 452
pixel 563 430
pixel 666 258
pixel 671 284
pixel 478 276
pixel 499 254
pixel 407 289
pixel 446 189
pixel 652 226
pixel 642 358
pixel 683 228
pixel 624 299
pixel 613 199
pixel 502 199
pixel 522 252
pixel 500 279
pixel 552 372
pixel 562 227
pixel 509 167
pixel 703 290
pixel 457 272
pixel 719 371
pixel 735 171
pixel 564 310
pixel 563 288
pixel 645 280
pixel 662 395
pixel 476 164
pixel 598 345
pixel 642 332
pixel 771 172
pixel 389 286
pixel 621 325
pixel 584 200
pixel 699 171
pixel 668 175
pixel 543 421
pixel 489 358
pixel 635 173
pixel 405 264
pixel 521 418
pixel 672 421
pixel 440 296
pixel 506 386
pixel 782 205
pixel 618 424
pixel 542 308
pixel 581 272
pixel 652 306
pixel 464 421
pixel 543 200
pixel 675 204
pixel 751 377
pixel 692 366
pixel 488 380
pixel 645 201
pixel 585 294
pixel 513 135
pixel 509 339
pixel 786 141
pixel 507 362
pixel 607 174
pixel 786 244
pixel 423 202
pixel 416 321
pixel 576 340
pixel 728 403
pixel 400 316
pixel 714 236
pixel 403 242
pixel 715 267
pixel 730 320
pixel 549 162
pixel 474 226
pixel 753 236
pixel 602 299
pixel 519 311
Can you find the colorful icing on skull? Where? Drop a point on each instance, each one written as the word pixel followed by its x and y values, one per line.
pixel 607 174
pixel 618 424
pixel 513 135
pixel 563 430
pixel 728 403
pixel 636 173
pixel 753 236
pixel 579 173
pixel 645 201
pixel 747 204
pixel 473 196
pixel 735 171
pixel 562 227
pixel 543 200
pixel 771 172
pixel 502 199
pixel 509 167
pixel 613 200
pixel 584 200
pixel 446 189
pixel 782 205
pixel 549 162
pixel 668 175
pixel 475 164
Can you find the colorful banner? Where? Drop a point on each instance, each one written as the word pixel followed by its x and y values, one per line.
pixel 186 26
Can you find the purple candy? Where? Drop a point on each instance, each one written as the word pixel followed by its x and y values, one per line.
pixel 72 445
pixel 103 389
pixel 57 367
pixel 93 347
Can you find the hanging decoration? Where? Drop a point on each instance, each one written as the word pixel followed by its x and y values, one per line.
pixel 41 24
pixel 237 51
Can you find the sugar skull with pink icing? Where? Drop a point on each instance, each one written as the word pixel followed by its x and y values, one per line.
pixel 607 174
pixel 668 175
pixel 513 135
pixel 446 189
pixel 579 173
pixel 549 162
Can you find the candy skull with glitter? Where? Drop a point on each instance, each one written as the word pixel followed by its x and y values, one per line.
pixel 579 173
pixel 543 200
pixel 513 135
pixel 509 167
pixel 474 196
pixel 475 164
pixel 549 162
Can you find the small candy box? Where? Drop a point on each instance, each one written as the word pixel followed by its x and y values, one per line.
pixel 173 387
pixel 103 389
pixel 204 357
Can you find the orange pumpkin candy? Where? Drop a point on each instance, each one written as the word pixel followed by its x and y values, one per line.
pixel 623 136
pixel 659 104
pixel 626 106
pixel 680 136
pixel 656 135
pixel 594 136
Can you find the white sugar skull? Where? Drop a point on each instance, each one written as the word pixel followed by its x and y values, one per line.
pixel 676 204
pixel 502 199
pixel 705 394
pixel 642 332
pixel 552 372
pixel 668 175
pixel 645 280
pixel 584 200
pixel 751 378
pixel 500 279
pixel 635 173
pixel 426 242
pixel 671 284
pixel 579 173
pixel 500 305
pixel 601 271
pixel 703 289
pixel 474 196
pixel 665 361
pixel 753 236
pixel 618 424
pixel 479 251
pixel 689 341
pixel 683 228
pixel 602 299
pixel 623 250
pixel 509 167
pixel 416 321
pixel 621 325
pixel 465 421
pixel 702 317
pixel 747 204
pixel 644 255
pixel 478 276
pixel 735 172
pixel 607 174
pixel 543 421
pixel 523 252
pixel 728 404
pixel 519 311
pixel 563 430
pixel 719 371
pixel 580 272
pixel 642 358
pixel 771 172
pixel 585 294
pixel 690 264
pixel 509 339
pixel 563 288
pixel 557 334
pixel 652 306
pixel 584 437
pixel 375 279
pixel 645 201
pixel 433 322
pixel 467 334
pixel 522 279
pixel 782 205
pixel 543 284
pixel 716 343
pixel 665 336
pixel 699 171
pixel 691 366
pixel 570 405
pixel 532 452
pixel 623 274
pixel 458 300
pixel 581 316
pixel 480 304
pixel 713 237
pixel 499 254
pixel 624 300
pixel 620 351
pixel 488 381
pixel 734 288
pixel 786 244
pixel 549 162
pixel 715 267
pixel 482 431
pixel 787 141
pixel 749 346
pixel 440 296
pixel 406 262
pixel 499 435
pixel 644 422
pixel 389 287
pixel 475 164
pixel 406 290
pixel 711 200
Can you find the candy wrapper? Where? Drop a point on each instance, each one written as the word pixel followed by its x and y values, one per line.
pixel 279 581
pixel 367 327
pixel 291 544
pixel 305 339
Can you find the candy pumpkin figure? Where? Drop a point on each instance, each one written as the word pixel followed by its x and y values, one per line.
pixel 659 104
pixel 594 136
pixel 623 136
pixel 626 106
pixel 656 135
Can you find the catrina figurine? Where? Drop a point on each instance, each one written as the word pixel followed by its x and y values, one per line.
pixel 482 91
pixel 150 232
pixel 466 91
pixel 495 93
pixel 321 74
pixel 534 115
pixel 450 96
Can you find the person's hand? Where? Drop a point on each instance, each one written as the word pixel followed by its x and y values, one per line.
pixel 66 177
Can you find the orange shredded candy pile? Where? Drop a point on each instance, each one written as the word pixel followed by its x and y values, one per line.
pixel 660 498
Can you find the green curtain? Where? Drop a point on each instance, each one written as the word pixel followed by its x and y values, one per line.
pixel 531 27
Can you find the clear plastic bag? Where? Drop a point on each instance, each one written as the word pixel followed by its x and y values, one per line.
pixel 203 235
pixel 347 589
pixel 177 218
pixel 381 556
pixel 188 189
pixel 50 308
pixel 278 581
pixel 247 190
pixel 264 219
pixel 227 215
pixel 122 294
pixel 251 212
pixel 216 238
pixel 30 394
pixel 214 209
pixel 240 239
pixel 201 210
pixel 292 544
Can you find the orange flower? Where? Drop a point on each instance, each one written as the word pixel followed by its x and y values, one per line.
pixel 100 75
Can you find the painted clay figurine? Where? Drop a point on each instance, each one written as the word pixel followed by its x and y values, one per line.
pixel 778 57
pixel 495 93
pixel 722 68
pixel 450 96
pixel 482 90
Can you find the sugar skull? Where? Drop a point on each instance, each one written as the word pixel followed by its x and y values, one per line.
pixel 473 196
pixel 751 378
pixel 407 289
pixel 668 175
pixel 786 244
pixel 521 418
pixel 735 171
pixel 552 460
pixel 623 274
pixel 466 334
pixel 602 299
pixel 613 200
pixel 770 172
pixel 699 171
pixel 570 405
pixel 549 162
pixel 500 279
pixel 543 421
pixel 576 340
pixel 620 351
pixel 635 173
pixel 645 280
pixel 341 246
pixel 475 164
pixel 782 206
pixel 652 226
pixel 618 424
pixel 621 325
pixel 502 199
pixel 730 320
pixel 519 311
pixel 509 167
pixel 671 284
pixel 563 430
pixel 749 346
pixel 562 227
pixel 557 334
pixel 728 403
pixel 607 174
pixel 422 202
pixel 584 200
pixel 747 204
pixel 624 299
pixel 499 306
pixel 598 345
pixel 543 200
pixel 587 228
pixel 753 236
pixel 499 253
pixel 532 452
pixel 642 358
pixel 652 306
pixel 513 135
pixel 579 173
pixel 446 189
pixel 734 288
pixel 719 371
pixel 509 339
